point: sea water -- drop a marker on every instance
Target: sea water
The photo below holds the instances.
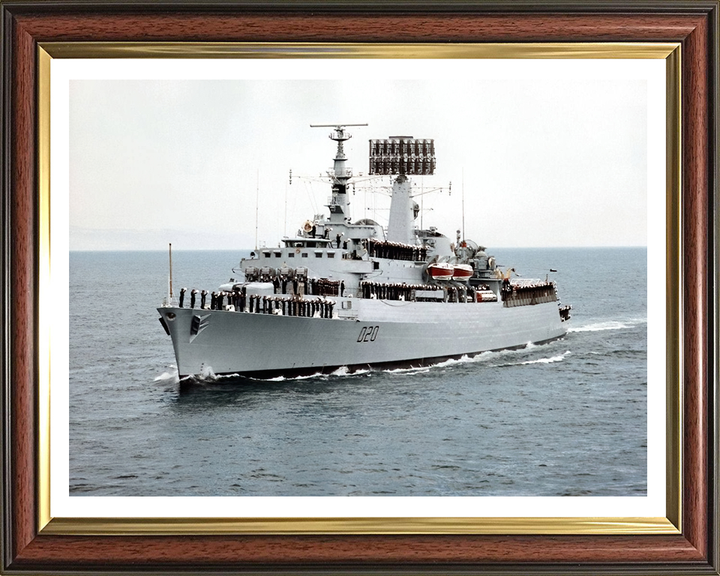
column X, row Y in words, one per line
column 564, row 418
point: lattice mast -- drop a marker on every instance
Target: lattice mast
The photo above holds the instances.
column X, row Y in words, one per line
column 340, row 173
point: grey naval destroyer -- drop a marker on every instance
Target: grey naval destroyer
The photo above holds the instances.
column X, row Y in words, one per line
column 354, row 294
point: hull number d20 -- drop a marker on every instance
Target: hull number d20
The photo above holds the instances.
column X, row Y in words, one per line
column 368, row 334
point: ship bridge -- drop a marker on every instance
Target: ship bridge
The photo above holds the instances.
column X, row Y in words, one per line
column 307, row 242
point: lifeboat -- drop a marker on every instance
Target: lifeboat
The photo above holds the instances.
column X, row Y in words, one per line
column 462, row 272
column 441, row 271
column 485, row 296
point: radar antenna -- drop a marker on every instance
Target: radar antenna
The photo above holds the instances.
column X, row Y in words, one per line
column 402, row 155
column 339, row 135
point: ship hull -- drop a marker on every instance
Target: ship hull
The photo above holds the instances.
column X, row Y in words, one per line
column 374, row 333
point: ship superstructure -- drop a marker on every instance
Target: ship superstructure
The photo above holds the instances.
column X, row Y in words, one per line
column 355, row 294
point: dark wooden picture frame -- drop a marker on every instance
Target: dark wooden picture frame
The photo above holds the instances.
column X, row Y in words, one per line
column 27, row 24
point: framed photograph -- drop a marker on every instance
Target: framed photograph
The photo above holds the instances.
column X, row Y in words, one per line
column 93, row 162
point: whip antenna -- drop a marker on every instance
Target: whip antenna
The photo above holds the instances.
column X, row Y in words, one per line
column 170, row 277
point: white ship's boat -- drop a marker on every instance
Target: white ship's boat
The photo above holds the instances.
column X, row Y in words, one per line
column 354, row 294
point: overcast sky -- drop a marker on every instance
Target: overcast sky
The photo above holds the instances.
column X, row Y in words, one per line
column 544, row 160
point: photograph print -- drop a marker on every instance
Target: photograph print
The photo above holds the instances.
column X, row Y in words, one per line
column 314, row 278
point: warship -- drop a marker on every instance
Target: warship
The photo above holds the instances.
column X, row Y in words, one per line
column 344, row 294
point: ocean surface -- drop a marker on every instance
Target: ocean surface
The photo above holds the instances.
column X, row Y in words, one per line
column 565, row 418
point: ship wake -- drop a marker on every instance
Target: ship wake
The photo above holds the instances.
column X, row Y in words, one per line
column 340, row 372
column 498, row 358
column 551, row 360
column 609, row 325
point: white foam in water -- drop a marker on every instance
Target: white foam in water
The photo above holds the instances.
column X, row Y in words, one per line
column 490, row 355
column 291, row 379
column 224, row 377
column 412, row 370
column 465, row 359
column 168, row 377
column 208, row 373
column 550, row 360
column 209, row 376
column 423, row 369
column 453, row 361
column 340, row 372
column 345, row 371
column 607, row 325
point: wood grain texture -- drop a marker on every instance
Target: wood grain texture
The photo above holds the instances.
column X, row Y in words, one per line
column 689, row 552
column 695, row 239
column 320, row 27
column 317, row 550
column 22, row 296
